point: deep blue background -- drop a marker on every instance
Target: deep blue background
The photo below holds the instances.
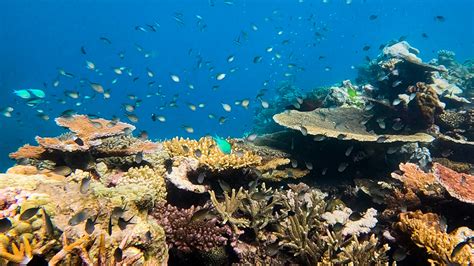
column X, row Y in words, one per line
column 38, row 37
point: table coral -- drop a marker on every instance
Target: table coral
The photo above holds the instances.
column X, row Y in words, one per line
column 28, row 151
column 426, row 232
column 347, row 122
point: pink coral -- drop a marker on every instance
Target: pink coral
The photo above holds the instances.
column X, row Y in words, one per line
column 458, row 185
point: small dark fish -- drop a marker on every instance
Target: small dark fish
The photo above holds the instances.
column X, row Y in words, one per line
column 224, row 186
column 459, row 246
column 118, row 254
column 83, row 50
column 85, row 184
column 138, row 158
column 373, row 17
column 399, row 254
column 341, row 136
column 169, row 165
column 440, row 18
column 5, row 225
column 291, row 213
column 366, row 48
column 62, row 170
column 257, row 59
column 198, row 153
column 202, row 214
column 273, row 248
column 78, row 218
column 122, row 223
column 109, row 226
column 355, row 216
column 154, row 117
column 337, row 227
column 148, row 236
column 118, row 211
column 259, row 195
column 381, row 139
column 26, row 215
column 48, row 223
column 90, row 224
column 424, row 35
column 106, row 40
column 79, row 141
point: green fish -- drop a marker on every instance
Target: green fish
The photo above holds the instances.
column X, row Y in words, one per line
column 223, row 144
column 24, row 94
column 37, row 93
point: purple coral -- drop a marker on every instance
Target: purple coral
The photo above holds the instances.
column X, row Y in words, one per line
column 10, row 199
column 186, row 236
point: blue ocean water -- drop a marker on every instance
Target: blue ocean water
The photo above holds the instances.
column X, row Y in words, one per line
column 324, row 40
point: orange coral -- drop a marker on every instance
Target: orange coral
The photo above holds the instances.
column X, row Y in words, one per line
column 23, row 170
column 90, row 129
column 426, row 231
column 28, row 152
column 416, row 180
column 458, row 185
column 62, row 145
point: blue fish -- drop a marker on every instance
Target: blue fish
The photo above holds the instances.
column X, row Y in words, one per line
column 223, row 144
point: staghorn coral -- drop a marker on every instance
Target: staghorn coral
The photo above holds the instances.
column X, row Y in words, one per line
column 260, row 209
column 208, row 154
column 354, row 251
column 227, row 208
column 299, row 232
column 186, row 234
column 344, row 121
column 426, row 232
column 458, row 185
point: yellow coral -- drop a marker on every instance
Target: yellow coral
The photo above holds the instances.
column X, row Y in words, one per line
column 206, row 151
column 151, row 178
column 425, row 230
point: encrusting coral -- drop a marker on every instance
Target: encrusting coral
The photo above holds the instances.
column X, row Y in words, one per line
column 426, row 231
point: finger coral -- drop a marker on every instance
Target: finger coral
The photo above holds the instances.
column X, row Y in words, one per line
column 207, row 153
column 426, row 232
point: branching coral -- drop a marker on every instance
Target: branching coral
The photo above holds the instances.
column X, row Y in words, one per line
column 188, row 234
column 206, row 151
column 227, row 208
column 426, row 232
